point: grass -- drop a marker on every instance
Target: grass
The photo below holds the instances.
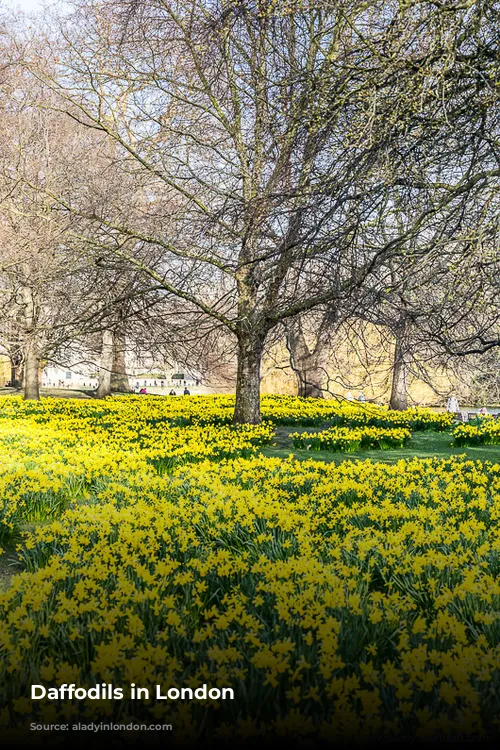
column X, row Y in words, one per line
column 9, row 565
column 421, row 445
column 51, row 392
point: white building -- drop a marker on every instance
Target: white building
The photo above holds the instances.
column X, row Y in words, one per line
column 59, row 377
column 170, row 379
column 148, row 373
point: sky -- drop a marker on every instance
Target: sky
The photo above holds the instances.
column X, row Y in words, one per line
column 26, row 5
column 31, row 6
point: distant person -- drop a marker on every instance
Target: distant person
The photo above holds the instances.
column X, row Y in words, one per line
column 452, row 405
column 143, row 392
column 483, row 411
column 172, row 393
column 187, row 392
column 361, row 396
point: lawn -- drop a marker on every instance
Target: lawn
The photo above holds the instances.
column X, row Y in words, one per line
column 422, row 445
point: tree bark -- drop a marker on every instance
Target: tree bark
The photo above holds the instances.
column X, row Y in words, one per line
column 311, row 380
column 16, row 375
column 247, row 408
column 399, row 390
column 106, row 365
column 31, row 364
column 31, row 374
column 309, row 365
column 119, row 378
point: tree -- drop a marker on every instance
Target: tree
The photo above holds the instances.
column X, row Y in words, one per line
column 308, row 339
column 270, row 143
column 57, row 293
column 433, row 312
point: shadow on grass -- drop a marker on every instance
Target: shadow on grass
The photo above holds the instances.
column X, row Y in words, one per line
column 10, row 564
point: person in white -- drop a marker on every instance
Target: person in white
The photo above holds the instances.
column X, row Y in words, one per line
column 452, row 405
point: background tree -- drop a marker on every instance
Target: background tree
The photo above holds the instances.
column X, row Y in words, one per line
column 309, row 342
column 43, row 291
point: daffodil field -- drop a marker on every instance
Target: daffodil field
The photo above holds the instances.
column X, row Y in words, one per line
column 485, row 433
column 159, row 546
column 350, row 439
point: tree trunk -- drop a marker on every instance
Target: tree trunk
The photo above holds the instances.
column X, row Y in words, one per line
column 308, row 365
column 31, row 365
column 31, row 374
column 106, row 366
column 399, row 391
column 16, row 375
column 119, row 377
column 310, row 377
column 247, row 408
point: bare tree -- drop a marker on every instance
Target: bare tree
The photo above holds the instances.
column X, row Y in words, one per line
column 270, row 146
column 57, row 292
column 309, row 339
